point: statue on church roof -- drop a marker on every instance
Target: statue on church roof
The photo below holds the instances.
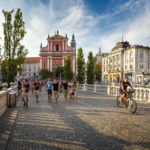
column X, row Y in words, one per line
column 57, row 32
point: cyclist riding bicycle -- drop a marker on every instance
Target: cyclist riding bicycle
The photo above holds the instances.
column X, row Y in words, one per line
column 123, row 88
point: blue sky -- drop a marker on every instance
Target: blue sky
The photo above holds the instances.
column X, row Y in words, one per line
column 95, row 23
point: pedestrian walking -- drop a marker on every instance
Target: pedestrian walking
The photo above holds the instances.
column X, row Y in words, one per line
column 40, row 85
column 56, row 89
column 26, row 87
column 65, row 89
column 19, row 87
column 70, row 91
column 73, row 92
column 37, row 88
column 49, row 89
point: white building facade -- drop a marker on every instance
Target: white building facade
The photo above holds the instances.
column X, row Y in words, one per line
column 128, row 60
column 31, row 68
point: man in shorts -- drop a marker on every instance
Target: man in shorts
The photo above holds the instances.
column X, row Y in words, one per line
column 49, row 89
column 123, row 88
column 26, row 87
column 36, row 89
column 56, row 89
column 65, row 89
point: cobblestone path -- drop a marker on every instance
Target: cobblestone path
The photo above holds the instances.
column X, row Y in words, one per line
column 91, row 122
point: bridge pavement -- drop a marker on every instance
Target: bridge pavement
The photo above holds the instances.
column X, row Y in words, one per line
column 91, row 122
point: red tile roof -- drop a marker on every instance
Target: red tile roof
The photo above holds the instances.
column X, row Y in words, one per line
column 32, row 60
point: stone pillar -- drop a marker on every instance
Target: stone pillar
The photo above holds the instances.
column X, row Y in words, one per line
column 63, row 62
column 84, row 87
column 11, row 85
column 51, row 65
column 140, row 96
column 51, row 46
column 148, row 95
column 95, row 86
column 5, row 87
column 63, row 46
column 108, row 90
column 66, row 46
column 48, row 63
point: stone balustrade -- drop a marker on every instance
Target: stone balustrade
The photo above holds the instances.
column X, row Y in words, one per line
column 141, row 94
column 4, row 96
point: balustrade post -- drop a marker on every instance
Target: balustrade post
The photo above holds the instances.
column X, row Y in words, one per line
column 85, row 87
column 140, row 96
column 4, row 87
column 95, row 88
column 108, row 90
column 148, row 95
column 145, row 95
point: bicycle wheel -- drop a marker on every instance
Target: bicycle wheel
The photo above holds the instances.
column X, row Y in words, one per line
column 118, row 102
column 132, row 106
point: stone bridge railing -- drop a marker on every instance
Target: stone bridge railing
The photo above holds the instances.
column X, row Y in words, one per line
column 4, row 96
column 141, row 94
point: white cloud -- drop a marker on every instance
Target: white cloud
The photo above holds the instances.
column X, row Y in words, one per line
column 135, row 30
column 72, row 16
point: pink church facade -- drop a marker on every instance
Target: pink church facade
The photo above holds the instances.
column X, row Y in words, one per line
column 55, row 52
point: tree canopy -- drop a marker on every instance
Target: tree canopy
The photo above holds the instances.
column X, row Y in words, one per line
column 14, row 51
column 80, row 66
column 90, row 68
column 68, row 74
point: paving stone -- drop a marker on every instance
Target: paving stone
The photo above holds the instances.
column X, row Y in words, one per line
column 91, row 122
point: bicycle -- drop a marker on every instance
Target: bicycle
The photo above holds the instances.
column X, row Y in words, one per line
column 128, row 102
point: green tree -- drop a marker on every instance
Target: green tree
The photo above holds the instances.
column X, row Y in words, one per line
column 90, row 69
column 14, row 51
column 59, row 71
column 44, row 73
column 80, row 66
column 97, row 70
column 68, row 74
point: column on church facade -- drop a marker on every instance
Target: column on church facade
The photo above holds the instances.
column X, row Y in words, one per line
column 66, row 46
column 63, row 46
column 50, row 45
column 51, row 64
column 48, row 63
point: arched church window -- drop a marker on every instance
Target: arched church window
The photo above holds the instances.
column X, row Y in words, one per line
column 57, row 47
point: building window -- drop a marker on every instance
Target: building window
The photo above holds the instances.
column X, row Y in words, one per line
column 131, row 67
column 60, row 64
column 44, row 65
column 53, row 65
column 148, row 56
column 141, row 66
column 148, row 65
column 29, row 69
column 24, row 69
column 141, row 55
column 57, row 47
